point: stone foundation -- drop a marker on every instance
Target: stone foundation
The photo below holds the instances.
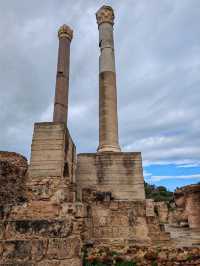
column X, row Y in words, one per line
column 118, row 223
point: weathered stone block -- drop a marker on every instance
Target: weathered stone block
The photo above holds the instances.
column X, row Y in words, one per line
column 81, row 210
column 38, row 228
column 187, row 199
column 118, row 219
column 17, row 250
column 62, row 248
column 35, row 210
column 78, row 226
column 20, row 252
column 114, row 205
column 162, row 211
column 65, row 262
column 49, row 263
column 150, row 208
column 118, row 173
column 102, row 232
column 139, row 208
column 71, row 262
column 39, row 249
column 2, row 230
column 141, row 228
column 120, row 232
column 53, row 151
column 13, row 168
column 42, row 188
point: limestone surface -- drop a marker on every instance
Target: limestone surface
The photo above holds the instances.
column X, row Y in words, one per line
column 119, row 173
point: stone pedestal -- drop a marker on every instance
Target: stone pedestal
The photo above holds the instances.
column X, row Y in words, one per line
column 119, row 173
column 53, row 162
column 47, row 150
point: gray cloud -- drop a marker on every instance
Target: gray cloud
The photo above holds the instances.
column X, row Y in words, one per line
column 158, row 64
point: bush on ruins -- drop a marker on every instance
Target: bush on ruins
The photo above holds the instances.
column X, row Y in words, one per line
column 159, row 193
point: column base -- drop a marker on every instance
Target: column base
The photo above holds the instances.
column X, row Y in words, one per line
column 108, row 148
column 119, row 173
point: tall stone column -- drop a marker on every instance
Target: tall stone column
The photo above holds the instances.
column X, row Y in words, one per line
column 108, row 121
column 65, row 35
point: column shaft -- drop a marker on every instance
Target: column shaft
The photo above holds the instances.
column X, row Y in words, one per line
column 108, row 120
column 62, row 76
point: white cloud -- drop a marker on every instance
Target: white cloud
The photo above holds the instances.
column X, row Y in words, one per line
column 157, row 60
column 159, row 178
column 192, row 165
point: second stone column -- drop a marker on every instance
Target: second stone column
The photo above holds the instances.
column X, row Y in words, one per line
column 108, row 121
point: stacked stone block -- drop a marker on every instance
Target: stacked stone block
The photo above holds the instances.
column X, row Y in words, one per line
column 155, row 227
column 119, row 173
column 46, row 228
column 53, row 162
column 188, row 200
column 13, row 169
column 120, row 223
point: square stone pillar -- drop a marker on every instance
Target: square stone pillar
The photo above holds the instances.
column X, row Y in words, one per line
column 53, row 161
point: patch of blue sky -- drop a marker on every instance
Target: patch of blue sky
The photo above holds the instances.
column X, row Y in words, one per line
column 172, row 175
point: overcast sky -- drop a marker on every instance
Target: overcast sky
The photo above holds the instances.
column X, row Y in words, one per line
column 157, row 48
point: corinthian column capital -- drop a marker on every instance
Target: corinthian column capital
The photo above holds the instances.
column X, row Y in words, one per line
column 65, row 32
column 105, row 14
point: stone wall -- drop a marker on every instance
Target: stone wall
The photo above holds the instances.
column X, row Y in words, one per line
column 192, row 205
column 52, row 164
column 42, row 223
column 187, row 200
column 45, row 229
column 118, row 173
column 155, row 227
column 118, row 223
column 13, row 168
column 162, row 210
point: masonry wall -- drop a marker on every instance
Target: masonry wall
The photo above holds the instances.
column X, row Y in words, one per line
column 192, row 205
column 13, row 169
column 118, row 173
column 187, row 200
column 119, row 223
column 45, row 229
column 52, row 164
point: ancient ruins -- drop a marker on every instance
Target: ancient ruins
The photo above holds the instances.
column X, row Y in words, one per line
column 64, row 203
